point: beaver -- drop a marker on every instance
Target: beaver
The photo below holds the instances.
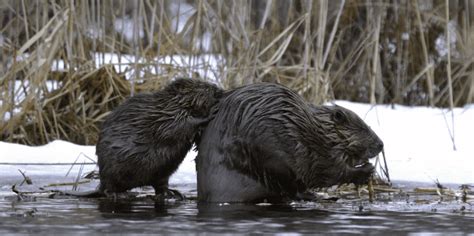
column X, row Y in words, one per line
column 266, row 142
column 144, row 140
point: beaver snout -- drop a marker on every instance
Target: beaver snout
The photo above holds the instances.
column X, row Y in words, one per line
column 379, row 147
column 375, row 149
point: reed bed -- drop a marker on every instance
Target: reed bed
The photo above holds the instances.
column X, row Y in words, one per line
column 58, row 79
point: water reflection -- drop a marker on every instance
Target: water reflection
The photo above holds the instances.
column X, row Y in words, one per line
column 149, row 209
column 238, row 210
column 63, row 216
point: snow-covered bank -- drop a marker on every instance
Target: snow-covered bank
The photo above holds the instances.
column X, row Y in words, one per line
column 417, row 141
column 55, row 152
column 60, row 156
column 418, row 144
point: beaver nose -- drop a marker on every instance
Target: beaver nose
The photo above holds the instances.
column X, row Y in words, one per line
column 380, row 146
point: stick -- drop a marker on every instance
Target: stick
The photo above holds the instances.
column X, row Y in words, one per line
column 386, row 166
column 25, row 178
column 448, row 69
column 370, row 187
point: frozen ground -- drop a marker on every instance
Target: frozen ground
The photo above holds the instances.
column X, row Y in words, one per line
column 418, row 148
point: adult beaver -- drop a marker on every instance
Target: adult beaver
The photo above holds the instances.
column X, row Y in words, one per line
column 265, row 142
column 143, row 141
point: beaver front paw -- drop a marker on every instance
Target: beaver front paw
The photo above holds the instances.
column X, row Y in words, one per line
column 361, row 174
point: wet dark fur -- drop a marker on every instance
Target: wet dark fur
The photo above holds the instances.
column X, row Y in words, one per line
column 143, row 141
column 265, row 142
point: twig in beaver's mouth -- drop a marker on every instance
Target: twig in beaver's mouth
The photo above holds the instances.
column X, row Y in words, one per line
column 385, row 170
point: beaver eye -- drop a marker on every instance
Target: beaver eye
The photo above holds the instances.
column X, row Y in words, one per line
column 339, row 117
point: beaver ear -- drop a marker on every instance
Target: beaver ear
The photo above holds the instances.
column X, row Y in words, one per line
column 218, row 93
column 180, row 85
column 339, row 117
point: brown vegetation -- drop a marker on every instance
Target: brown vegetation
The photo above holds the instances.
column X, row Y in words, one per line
column 367, row 51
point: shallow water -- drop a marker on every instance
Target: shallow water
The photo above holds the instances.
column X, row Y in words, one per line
column 72, row 215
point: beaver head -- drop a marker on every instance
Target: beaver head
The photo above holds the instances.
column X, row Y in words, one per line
column 195, row 95
column 352, row 141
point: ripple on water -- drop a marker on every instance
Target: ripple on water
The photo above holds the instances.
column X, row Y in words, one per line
column 63, row 216
column 368, row 227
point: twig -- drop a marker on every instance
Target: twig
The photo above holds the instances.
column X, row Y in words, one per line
column 415, row 79
column 333, row 32
column 68, row 183
column 75, row 162
column 78, row 177
column 15, row 190
column 386, row 172
column 429, row 73
column 25, row 178
column 464, row 189
column 370, row 187
column 375, row 58
column 448, row 69
column 306, row 38
column 451, row 133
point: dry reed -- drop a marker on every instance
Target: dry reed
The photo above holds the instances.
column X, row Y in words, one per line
column 56, row 80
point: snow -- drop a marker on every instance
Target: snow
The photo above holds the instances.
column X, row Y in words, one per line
column 417, row 140
column 15, row 157
column 57, row 151
column 441, row 45
column 208, row 66
column 418, row 144
column 126, row 26
column 181, row 12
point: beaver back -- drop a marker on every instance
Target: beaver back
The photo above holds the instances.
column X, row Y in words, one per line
column 266, row 141
column 143, row 141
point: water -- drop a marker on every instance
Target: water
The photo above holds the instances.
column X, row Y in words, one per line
column 143, row 215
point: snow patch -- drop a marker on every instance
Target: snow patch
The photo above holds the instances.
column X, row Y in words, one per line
column 417, row 142
column 57, row 151
column 181, row 12
column 126, row 27
column 442, row 46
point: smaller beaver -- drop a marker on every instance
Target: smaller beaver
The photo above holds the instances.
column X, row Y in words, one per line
column 144, row 140
column 266, row 142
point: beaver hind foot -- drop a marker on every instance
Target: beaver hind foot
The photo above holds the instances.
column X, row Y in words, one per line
column 168, row 193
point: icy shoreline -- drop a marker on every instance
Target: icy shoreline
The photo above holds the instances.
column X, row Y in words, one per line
column 418, row 147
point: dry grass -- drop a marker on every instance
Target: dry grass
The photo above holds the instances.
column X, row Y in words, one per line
column 367, row 51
